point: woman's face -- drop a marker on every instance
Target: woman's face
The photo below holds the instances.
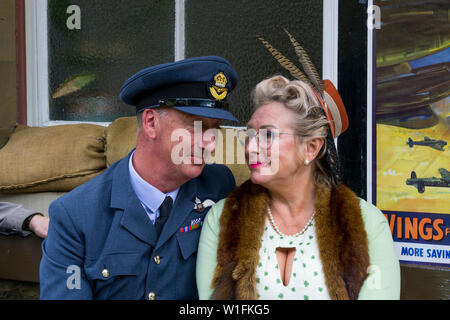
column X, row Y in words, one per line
column 280, row 157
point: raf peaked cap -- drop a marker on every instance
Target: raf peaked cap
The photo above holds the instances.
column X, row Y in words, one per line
column 197, row 86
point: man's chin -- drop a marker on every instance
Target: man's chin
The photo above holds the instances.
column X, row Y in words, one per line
column 196, row 161
column 193, row 169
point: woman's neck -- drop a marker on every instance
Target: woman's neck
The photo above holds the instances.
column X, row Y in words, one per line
column 293, row 197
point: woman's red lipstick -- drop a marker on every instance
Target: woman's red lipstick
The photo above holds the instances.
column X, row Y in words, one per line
column 255, row 165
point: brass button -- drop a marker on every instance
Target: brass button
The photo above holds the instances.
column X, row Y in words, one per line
column 151, row 296
column 105, row 273
column 157, row 259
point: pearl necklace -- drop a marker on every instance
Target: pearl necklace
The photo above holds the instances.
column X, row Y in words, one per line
column 275, row 226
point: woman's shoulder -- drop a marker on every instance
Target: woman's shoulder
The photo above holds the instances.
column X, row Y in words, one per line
column 370, row 211
column 214, row 214
column 374, row 220
column 217, row 207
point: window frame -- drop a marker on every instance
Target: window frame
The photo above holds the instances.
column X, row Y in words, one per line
column 37, row 95
column 371, row 125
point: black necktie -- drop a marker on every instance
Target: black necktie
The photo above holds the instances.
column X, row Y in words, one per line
column 164, row 211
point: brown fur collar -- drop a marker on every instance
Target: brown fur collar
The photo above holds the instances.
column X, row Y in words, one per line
column 342, row 242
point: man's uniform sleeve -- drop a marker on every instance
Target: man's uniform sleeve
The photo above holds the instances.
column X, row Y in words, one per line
column 61, row 269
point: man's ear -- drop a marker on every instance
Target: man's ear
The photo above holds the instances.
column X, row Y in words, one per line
column 313, row 147
column 150, row 123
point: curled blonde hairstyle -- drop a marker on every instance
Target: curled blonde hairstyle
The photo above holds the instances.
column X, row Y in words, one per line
column 310, row 120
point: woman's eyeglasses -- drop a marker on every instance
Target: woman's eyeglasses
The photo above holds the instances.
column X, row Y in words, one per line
column 264, row 137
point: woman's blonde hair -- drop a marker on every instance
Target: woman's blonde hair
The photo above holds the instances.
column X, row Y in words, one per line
column 310, row 120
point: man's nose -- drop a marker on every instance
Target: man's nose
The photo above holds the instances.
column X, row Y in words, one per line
column 209, row 144
column 208, row 141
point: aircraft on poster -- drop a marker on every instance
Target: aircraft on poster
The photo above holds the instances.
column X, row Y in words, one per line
column 433, row 143
column 421, row 183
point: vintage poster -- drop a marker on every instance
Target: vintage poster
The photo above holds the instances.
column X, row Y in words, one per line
column 412, row 115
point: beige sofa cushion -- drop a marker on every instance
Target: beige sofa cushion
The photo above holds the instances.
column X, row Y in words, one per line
column 57, row 158
column 120, row 139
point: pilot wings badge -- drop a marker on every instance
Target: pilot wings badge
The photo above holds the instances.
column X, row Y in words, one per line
column 201, row 206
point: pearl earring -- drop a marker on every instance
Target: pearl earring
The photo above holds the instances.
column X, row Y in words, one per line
column 306, row 162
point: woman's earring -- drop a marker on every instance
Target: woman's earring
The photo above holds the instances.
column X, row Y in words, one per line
column 306, row 162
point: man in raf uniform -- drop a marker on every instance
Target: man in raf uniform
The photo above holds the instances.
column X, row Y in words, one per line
column 132, row 232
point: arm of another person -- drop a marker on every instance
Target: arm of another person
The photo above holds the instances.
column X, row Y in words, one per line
column 15, row 219
column 38, row 224
column 383, row 281
column 207, row 250
column 61, row 268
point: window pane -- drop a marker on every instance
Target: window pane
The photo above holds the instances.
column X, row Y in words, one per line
column 88, row 66
column 229, row 29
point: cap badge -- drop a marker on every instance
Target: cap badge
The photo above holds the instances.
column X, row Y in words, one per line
column 217, row 88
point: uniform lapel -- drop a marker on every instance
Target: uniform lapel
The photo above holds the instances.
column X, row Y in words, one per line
column 182, row 207
column 134, row 218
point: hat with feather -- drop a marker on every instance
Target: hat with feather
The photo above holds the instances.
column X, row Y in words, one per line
column 326, row 93
column 324, row 90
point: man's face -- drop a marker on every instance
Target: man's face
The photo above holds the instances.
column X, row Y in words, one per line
column 182, row 142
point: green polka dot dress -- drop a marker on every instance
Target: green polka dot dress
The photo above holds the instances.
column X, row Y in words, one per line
column 307, row 280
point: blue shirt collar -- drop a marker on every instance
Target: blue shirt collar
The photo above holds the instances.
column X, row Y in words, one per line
column 150, row 197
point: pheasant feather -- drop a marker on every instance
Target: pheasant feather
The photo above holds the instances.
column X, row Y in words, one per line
column 285, row 62
column 308, row 66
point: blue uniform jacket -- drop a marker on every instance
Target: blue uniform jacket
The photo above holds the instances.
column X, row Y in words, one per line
column 102, row 245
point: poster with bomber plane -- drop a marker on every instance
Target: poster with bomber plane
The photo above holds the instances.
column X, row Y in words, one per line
column 412, row 121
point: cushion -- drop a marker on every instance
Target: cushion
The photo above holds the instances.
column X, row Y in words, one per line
column 120, row 139
column 57, row 158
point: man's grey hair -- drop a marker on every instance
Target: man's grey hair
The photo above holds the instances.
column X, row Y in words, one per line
column 162, row 112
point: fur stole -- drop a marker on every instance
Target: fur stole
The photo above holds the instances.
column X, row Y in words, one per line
column 341, row 237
